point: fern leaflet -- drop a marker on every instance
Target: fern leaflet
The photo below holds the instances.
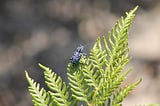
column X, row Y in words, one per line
column 58, row 88
column 40, row 96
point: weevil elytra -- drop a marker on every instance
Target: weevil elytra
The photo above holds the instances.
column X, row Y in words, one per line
column 75, row 59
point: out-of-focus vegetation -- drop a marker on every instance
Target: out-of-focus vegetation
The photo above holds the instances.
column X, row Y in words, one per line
column 47, row 31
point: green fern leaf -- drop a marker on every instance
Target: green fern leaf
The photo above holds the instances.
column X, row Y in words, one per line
column 118, row 41
column 117, row 50
column 59, row 91
column 77, row 85
column 93, row 70
column 40, row 96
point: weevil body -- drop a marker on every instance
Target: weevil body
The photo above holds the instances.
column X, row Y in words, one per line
column 77, row 55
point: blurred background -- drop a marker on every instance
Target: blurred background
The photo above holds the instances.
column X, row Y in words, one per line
column 48, row 32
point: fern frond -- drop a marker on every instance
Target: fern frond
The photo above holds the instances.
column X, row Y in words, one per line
column 92, row 76
column 119, row 52
column 77, row 85
column 116, row 83
column 98, row 56
column 117, row 49
column 118, row 40
column 39, row 95
column 59, row 91
column 120, row 95
column 93, row 70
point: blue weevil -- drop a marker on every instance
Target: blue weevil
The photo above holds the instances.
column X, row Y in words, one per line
column 77, row 55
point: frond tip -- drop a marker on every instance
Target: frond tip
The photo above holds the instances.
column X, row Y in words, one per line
column 39, row 95
column 58, row 88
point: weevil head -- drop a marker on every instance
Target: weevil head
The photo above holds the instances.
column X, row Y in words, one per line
column 80, row 49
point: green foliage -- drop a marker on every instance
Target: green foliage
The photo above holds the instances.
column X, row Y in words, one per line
column 59, row 92
column 97, row 79
column 40, row 96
